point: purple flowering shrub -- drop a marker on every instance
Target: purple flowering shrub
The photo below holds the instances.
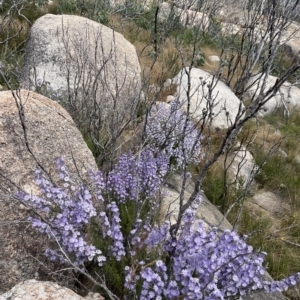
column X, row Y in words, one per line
column 196, row 263
column 169, row 131
column 65, row 211
column 136, row 177
column 201, row 264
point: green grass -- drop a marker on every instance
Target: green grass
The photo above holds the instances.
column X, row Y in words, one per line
column 214, row 189
column 280, row 175
column 282, row 172
column 282, row 258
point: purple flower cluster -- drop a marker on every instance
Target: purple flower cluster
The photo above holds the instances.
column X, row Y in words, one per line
column 203, row 264
column 97, row 185
column 130, row 279
column 153, row 281
column 67, row 210
column 281, row 285
column 137, row 176
column 113, row 230
column 207, row 263
column 155, row 234
column 67, row 213
column 169, row 131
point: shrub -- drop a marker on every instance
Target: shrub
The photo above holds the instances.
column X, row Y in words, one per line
column 196, row 263
column 157, row 262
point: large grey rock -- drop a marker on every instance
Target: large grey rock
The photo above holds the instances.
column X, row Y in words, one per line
column 44, row 290
column 214, row 58
column 230, row 28
column 232, row 11
column 209, row 98
column 234, row 17
column 241, row 166
column 270, row 203
column 188, row 4
column 93, row 70
column 262, row 295
column 291, row 38
column 48, row 132
column 206, row 212
column 287, row 97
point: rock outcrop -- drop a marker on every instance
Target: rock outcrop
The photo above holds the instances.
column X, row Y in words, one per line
column 291, row 38
column 271, row 203
column 241, row 166
column 210, row 99
column 206, row 212
column 34, row 132
column 39, row 290
column 234, row 20
column 91, row 69
column 232, row 11
column 287, row 96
